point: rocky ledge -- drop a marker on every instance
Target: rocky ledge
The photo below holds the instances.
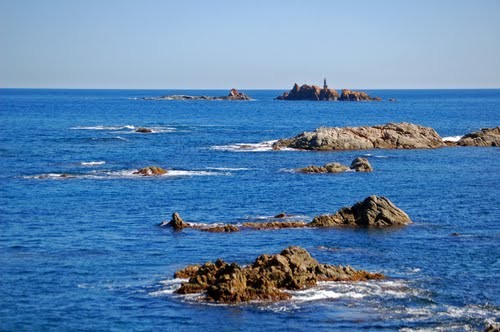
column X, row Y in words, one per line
column 151, row 171
column 358, row 165
column 484, row 137
column 374, row 211
column 265, row 279
column 388, row 136
column 233, row 95
column 315, row 93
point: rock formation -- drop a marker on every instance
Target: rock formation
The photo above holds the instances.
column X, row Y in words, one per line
column 274, row 225
column 233, row 95
column 358, row 165
column 361, row 165
column 309, row 92
column 151, row 171
column 484, row 137
column 349, row 95
column 143, row 130
column 388, row 136
column 266, row 278
column 176, row 222
column 374, row 211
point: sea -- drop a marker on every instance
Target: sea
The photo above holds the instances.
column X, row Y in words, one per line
column 84, row 252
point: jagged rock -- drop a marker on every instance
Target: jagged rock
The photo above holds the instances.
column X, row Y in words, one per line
column 484, row 137
column 388, row 136
column 233, row 95
column 361, row 165
column 176, row 222
column 374, row 211
column 309, row 92
column 222, row 229
column 274, row 224
column 143, row 130
column 292, row 269
column 151, row 171
column 349, row 95
column 280, row 215
column 187, row 272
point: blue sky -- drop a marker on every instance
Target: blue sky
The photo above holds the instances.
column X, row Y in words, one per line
column 249, row 44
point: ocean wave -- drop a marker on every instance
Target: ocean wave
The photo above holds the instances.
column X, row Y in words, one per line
column 128, row 129
column 229, row 168
column 369, row 155
column 92, row 163
column 265, row 146
column 452, row 138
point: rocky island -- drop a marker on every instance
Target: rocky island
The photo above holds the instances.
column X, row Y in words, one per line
column 233, row 95
column 358, row 165
column 315, row 93
column 388, row 136
column 265, row 279
column 483, row 137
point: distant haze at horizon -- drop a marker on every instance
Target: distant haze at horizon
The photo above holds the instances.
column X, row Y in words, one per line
column 249, row 45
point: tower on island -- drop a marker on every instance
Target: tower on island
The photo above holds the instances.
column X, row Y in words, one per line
column 325, row 86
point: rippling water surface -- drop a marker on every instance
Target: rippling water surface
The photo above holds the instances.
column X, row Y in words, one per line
column 83, row 252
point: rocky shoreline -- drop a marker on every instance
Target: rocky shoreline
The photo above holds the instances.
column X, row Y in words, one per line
column 233, row 95
column 266, row 279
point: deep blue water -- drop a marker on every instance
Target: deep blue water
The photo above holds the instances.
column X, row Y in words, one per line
column 85, row 253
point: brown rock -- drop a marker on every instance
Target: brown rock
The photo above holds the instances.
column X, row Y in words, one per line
column 309, row 92
column 389, row 136
column 176, row 223
column 222, row 229
column 328, row 168
column 361, row 165
column 292, row 269
column 484, row 137
column 274, row 224
column 187, row 272
column 374, row 211
column 236, row 95
column 151, row 171
column 349, row 95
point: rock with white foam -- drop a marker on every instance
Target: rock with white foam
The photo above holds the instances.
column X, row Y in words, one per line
column 483, row 137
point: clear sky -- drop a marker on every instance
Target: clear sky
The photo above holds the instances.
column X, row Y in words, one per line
column 249, row 44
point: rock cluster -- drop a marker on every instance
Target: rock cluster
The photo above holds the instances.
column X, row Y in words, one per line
column 388, row 136
column 349, row 95
column 374, row 211
column 358, row 165
column 484, row 137
column 151, row 171
column 266, row 278
column 309, row 92
column 233, row 95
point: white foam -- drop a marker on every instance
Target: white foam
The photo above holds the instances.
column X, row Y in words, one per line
column 452, row 138
column 103, row 127
column 229, row 168
column 249, row 147
column 92, row 163
column 121, row 174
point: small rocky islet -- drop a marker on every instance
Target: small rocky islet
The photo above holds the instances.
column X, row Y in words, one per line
column 358, row 165
column 233, row 95
column 373, row 212
column 266, row 279
column 315, row 93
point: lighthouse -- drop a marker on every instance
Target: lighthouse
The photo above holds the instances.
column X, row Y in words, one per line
column 325, row 86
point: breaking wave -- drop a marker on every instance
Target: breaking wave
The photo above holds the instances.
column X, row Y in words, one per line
column 249, row 147
column 121, row 174
column 92, row 163
column 127, row 129
column 452, row 138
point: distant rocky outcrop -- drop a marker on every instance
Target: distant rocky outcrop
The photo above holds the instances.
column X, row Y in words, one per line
column 358, row 165
column 374, row 211
column 388, row 136
column 349, row 95
column 265, row 279
column 151, row 171
column 233, row 95
column 274, row 225
column 315, row 93
column 143, row 130
column 484, row 137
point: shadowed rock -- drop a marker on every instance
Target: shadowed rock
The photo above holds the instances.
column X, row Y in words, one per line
column 484, row 137
column 274, row 224
column 176, row 222
column 361, row 165
column 374, row 211
column 309, row 92
column 233, row 95
column 349, row 95
column 143, row 130
column 358, row 165
column 151, row 171
column 266, row 278
column 221, row 229
column 388, row 136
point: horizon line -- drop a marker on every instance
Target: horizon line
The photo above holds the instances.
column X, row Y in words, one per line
column 247, row 89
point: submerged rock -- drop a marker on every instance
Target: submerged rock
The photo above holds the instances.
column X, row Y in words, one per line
column 266, row 278
column 361, row 165
column 280, row 215
column 151, row 171
column 484, row 137
column 388, row 136
column 274, row 224
column 143, row 130
column 233, row 95
column 374, row 211
column 222, row 229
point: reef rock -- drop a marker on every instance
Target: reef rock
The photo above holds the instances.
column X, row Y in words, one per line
column 222, row 229
column 361, row 165
column 388, row 136
column 176, row 222
column 374, row 211
column 274, row 224
column 484, row 137
column 309, row 92
column 266, row 278
column 151, row 171
column 349, row 95
column 233, row 95
column 143, row 130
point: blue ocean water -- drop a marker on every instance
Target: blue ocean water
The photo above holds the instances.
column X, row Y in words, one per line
column 85, row 252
